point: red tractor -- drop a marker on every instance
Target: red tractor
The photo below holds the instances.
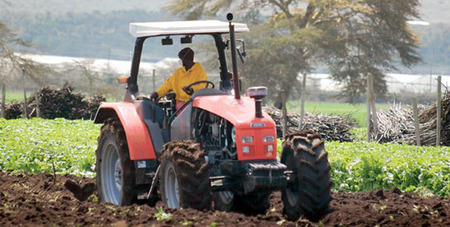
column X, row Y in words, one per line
column 220, row 148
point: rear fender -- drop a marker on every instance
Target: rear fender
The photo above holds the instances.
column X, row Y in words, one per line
column 138, row 138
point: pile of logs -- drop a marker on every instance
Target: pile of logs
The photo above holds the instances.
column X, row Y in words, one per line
column 331, row 127
column 56, row 103
column 397, row 124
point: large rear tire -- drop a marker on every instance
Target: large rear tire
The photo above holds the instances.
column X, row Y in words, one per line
column 184, row 176
column 115, row 170
column 309, row 190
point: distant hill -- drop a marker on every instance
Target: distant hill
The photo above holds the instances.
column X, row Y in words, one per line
column 86, row 28
column 95, row 34
column 32, row 7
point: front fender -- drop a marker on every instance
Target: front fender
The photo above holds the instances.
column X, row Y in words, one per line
column 138, row 138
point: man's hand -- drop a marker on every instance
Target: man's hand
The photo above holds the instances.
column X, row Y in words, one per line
column 188, row 91
column 154, row 96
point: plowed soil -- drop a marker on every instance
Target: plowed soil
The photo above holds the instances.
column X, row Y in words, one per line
column 43, row 200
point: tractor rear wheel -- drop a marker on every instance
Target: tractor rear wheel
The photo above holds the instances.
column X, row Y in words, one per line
column 309, row 189
column 115, row 170
column 184, row 176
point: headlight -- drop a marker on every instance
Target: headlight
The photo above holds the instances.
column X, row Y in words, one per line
column 257, row 92
column 247, row 139
column 268, row 139
column 233, row 134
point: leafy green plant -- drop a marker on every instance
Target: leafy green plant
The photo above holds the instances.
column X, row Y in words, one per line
column 162, row 215
column 38, row 145
column 65, row 146
column 362, row 166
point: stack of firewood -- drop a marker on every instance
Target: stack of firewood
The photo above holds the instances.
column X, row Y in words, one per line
column 397, row 124
column 331, row 127
column 394, row 124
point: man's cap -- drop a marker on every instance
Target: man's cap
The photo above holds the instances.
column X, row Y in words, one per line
column 186, row 53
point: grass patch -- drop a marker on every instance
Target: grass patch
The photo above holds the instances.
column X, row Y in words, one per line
column 13, row 96
column 358, row 111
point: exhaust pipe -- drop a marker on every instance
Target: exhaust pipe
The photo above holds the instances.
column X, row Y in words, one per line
column 237, row 94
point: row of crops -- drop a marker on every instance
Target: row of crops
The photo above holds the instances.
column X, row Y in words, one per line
column 65, row 146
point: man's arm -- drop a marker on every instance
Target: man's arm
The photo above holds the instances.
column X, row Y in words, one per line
column 166, row 86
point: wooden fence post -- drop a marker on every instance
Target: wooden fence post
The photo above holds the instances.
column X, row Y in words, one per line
column 373, row 108
column 438, row 112
column 369, row 116
column 2, row 107
column 284, row 112
column 25, row 111
column 154, row 85
column 38, row 110
column 416, row 121
column 302, row 103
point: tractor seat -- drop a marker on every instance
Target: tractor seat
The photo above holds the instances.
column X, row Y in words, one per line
column 207, row 92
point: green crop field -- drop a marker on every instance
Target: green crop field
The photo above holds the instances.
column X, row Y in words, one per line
column 14, row 96
column 65, row 146
column 358, row 111
column 362, row 166
column 39, row 145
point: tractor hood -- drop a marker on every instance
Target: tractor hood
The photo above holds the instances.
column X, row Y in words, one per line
column 241, row 113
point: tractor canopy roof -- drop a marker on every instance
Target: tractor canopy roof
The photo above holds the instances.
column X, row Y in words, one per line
column 149, row 29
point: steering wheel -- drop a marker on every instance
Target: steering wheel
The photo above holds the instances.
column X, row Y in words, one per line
column 188, row 89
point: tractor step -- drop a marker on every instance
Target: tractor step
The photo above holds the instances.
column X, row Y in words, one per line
column 222, row 183
column 142, row 196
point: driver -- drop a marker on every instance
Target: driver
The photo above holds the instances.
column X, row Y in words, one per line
column 188, row 73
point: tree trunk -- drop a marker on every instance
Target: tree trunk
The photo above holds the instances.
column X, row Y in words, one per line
column 287, row 87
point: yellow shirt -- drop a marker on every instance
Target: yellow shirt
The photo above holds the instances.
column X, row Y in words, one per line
column 181, row 78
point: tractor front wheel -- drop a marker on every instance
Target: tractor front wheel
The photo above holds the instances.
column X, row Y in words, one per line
column 253, row 203
column 184, row 176
column 224, row 200
column 250, row 204
column 309, row 188
column 115, row 170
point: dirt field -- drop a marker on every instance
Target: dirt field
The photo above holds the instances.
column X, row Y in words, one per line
column 31, row 200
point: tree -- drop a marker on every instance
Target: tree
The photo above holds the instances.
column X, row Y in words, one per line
column 12, row 62
column 352, row 37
